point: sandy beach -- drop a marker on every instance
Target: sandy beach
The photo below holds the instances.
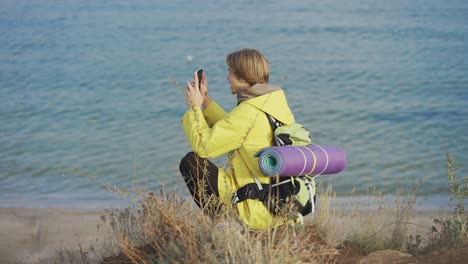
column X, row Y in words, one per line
column 50, row 235
column 42, row 235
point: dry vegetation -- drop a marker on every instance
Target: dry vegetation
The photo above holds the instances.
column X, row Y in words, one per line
column 171, row 230
column 165, row 228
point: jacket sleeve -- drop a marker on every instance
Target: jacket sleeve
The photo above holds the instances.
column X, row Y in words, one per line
column 225, row 135
column 213, row 113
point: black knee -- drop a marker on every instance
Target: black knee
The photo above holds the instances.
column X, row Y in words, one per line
column 187, row 163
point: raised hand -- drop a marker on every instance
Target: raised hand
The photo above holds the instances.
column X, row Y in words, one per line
column 193, row 94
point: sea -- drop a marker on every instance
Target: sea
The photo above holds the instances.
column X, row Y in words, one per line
column 91, row 92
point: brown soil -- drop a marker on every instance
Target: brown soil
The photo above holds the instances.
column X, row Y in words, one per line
column 351, row 256
column 120, row 259
column 455, row 256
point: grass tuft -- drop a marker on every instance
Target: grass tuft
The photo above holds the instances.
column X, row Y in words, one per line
column 447, row 232
column 377, row 225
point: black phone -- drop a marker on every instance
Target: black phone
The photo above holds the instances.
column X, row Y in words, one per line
column 199, row 75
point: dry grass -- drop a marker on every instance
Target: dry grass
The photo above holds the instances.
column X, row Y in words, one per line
column 375, row 224
column 174, row 232
column 171, row 230
column 165, row 228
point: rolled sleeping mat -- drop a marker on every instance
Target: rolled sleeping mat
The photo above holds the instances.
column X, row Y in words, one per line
column 301, row 160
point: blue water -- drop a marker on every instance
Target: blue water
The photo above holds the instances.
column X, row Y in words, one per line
column 88, row 86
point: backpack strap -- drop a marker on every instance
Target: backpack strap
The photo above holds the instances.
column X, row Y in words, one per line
column 279, row 142
column 250, row 191
column 273, row 122
column 274, row 125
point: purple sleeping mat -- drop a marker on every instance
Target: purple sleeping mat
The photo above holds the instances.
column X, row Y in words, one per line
column 301, row 160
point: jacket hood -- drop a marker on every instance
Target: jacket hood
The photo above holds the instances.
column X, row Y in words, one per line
column 255, row 90
column 274, row 104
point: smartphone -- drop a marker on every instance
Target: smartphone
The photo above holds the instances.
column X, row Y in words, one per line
column 199, row 75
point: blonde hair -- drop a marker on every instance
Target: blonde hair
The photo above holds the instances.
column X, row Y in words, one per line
column 249, row 65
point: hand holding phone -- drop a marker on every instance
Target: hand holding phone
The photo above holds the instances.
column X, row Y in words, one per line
column 204, row 89
column 199, row 75
column 194, row 95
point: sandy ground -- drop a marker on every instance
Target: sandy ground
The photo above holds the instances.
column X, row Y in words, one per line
column 53, row 235
column 418, row 223
column 41, row 235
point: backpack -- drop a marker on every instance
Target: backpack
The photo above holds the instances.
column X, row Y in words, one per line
column 300, row 190
column 297, row 191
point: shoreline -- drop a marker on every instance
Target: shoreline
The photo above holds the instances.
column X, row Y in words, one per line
column 435, row 202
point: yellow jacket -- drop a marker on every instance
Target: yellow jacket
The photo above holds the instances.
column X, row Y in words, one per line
column 241, row 133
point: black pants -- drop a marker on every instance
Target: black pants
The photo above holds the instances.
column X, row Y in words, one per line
column 201, row 177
